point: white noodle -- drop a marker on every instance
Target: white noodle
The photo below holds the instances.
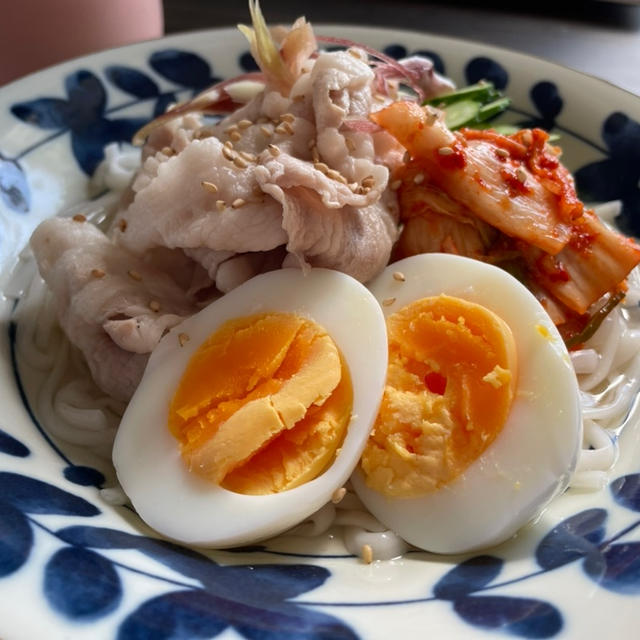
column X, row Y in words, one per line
column 584, row 360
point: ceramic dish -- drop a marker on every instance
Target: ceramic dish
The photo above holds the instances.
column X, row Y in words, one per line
column 73, row 566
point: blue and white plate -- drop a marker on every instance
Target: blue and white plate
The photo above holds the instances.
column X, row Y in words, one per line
column 74, row 566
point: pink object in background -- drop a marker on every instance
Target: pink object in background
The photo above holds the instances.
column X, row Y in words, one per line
column 38, row 33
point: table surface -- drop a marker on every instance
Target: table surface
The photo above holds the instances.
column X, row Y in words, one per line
column 599, row 38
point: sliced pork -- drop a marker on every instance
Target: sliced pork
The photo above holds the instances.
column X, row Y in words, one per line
column 113, row 306
column 294, row 156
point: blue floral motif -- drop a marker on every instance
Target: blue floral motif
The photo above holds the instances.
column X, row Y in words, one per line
column 183, row 68
column 483, row 68
column 618, row 176
column 21, row 497
column 84, row 585
column 14, row 190
column 84, row 476
column 11, row 446
column 574, row 538
column 247, row 62
column 84, row 113
column 546, row 97
column 16, row 539
column 396, row 51
column 524, row 617
column 626, row 491
column 81, row 584
column 33, row 496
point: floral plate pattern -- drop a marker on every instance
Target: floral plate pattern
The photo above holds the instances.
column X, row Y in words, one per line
column 74, row 566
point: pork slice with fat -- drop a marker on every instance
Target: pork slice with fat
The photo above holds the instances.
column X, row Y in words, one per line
column 113, row 306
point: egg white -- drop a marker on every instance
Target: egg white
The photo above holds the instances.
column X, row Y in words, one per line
column 185, row 507
column 532, row 458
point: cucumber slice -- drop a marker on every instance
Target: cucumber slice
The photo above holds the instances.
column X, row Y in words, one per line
column 462, row 112
column 482, row 92
column 504, row 129
column 492, row 109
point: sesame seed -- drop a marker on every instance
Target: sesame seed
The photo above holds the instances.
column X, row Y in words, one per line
column 241, row 163
column 231, row 129
column 228, row 153
column 287, row 117
column 369, row 181
column 355, row 53
column 244, row 123
column 351, row 145
column 209, row 186
column 154, row 305
column 97, row 273
column 395, row 185
column 237, row 203
column 168, row 151
column 338, row 495
column 321, row 166
column 249, row 157
column 418, row 178
column 220, row 205
column 503, row 153
column 235, row 136
column 378, row 97
column 387, row 302
column 228, row 144
column 399, row 276
column 122, row 225
column 284, row 127
column 273, row 150
column 315, row 156
column 79, row 218
column 336, row 175
column 134, row 275
column 367, row 553
column 266, row 131
column 445, row 151
column 521, row 175
column 183, row 338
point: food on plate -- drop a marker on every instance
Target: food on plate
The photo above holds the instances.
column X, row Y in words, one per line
column 506, row 200
column 222, row 297
column 480, row 423
column 304, row 433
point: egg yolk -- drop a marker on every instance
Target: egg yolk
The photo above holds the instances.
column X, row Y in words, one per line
column 449, row 388
column 263, row 405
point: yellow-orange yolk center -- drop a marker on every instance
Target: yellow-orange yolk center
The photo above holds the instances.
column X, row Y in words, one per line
column 263, row 405
column 450, row 384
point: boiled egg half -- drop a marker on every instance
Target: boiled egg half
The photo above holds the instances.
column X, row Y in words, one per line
column 480, row 423
column 252, row 412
